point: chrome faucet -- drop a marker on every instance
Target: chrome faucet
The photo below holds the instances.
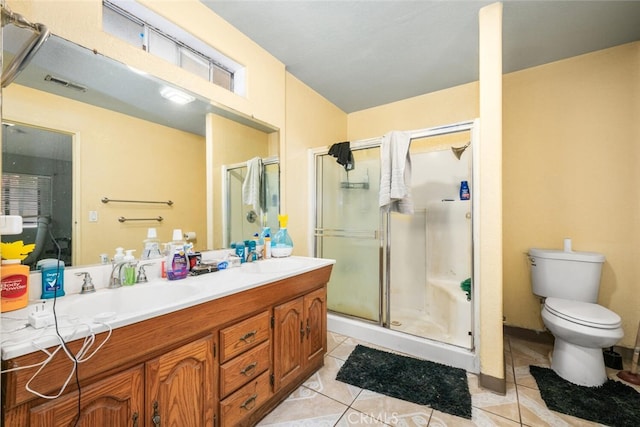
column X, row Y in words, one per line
column 116, row 282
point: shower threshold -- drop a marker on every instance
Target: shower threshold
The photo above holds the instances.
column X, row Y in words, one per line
column 412, row 345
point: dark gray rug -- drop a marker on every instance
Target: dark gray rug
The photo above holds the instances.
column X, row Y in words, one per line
column 613, row 403
column 426, row 383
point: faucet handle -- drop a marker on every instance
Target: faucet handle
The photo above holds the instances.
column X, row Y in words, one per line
column 142, row 275
column 87, row 284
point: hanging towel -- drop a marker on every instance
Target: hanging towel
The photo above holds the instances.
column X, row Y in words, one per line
column 395, row 173
column 252, row 185
column 342, row 150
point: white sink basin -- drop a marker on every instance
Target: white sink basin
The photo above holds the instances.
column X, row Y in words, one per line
column 108, row 303
column 273, row 265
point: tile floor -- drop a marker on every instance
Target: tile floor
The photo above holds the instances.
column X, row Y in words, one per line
column 323, row 401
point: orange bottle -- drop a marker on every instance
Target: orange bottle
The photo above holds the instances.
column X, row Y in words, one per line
column 15, row 285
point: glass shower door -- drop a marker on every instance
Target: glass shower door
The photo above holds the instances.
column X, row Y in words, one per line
column 347, row 223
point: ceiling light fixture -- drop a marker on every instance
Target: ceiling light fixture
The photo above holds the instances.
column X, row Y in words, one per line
column 176, row 96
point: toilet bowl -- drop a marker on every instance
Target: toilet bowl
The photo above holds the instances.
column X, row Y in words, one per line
column 581, row 331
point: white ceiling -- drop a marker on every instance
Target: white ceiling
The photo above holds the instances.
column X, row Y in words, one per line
column 361, row 54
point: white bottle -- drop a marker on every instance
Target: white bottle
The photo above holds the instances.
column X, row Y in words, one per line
column 119, row 256
column 151, row 245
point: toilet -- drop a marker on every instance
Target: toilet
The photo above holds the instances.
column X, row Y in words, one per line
column 569, row 282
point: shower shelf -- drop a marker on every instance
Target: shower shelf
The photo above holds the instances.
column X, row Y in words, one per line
column 355, row 185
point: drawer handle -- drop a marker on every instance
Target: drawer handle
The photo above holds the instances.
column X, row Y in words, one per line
column 250, row 369
column 251, row 335
column 155, row 419
column 250, row 403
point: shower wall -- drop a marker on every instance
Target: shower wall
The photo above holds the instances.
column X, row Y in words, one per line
column 403, row 272
column 431, row 251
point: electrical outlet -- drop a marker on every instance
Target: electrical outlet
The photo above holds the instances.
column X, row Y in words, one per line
column 93, row 216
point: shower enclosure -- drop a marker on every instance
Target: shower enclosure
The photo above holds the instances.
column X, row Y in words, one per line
column 241, row 221
column 411, row 275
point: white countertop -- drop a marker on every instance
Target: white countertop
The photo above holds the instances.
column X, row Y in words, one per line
column 80, row 316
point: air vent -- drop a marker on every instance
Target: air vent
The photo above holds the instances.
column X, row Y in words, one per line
column 65, row 83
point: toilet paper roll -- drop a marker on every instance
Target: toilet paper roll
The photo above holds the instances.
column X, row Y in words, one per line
column 567, row 245
column 190, row 235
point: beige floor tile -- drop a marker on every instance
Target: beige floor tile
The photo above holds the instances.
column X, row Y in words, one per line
column 334, row 340
column 324, row 382
column 505, row 406
column 357, row 418
column 530, row 353
column 305, row 407
column 535, row 413
column 508, row 368
column 392, row 411
column 478, row 418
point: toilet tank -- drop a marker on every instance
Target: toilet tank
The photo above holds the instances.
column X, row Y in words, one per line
column 569, row 275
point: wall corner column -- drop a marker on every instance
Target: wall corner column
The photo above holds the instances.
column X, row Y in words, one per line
column 492, row 373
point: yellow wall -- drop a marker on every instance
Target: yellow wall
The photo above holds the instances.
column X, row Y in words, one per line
column 232, row 143
column 571, row 153
column 119, row 157
column 312, row 122
column 452, row 105
column 81, row 22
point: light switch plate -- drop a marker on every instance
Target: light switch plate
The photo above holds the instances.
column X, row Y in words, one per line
column 93, row 216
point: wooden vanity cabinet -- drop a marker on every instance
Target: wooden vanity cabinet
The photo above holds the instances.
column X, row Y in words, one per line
column 300, row 338
column 180, row 386
column 226, row 362
column 116, row 402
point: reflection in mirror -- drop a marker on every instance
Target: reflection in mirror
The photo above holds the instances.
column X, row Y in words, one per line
column 101, row 118
column 36, row 184
column 242, row 220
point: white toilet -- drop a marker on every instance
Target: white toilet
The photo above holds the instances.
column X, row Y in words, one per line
column 570, row 282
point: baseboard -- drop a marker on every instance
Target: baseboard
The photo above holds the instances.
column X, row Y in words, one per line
column 543, row 337
column 496, row 385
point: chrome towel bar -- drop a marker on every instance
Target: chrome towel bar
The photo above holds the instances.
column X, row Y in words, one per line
column 123, row 219
column 107, row 200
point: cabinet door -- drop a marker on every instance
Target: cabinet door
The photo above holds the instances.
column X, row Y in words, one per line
column 315, row 314
column 180, row 386
column 115, row 402
column 288, row 334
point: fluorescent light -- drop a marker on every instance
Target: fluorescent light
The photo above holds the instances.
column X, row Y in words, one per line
column 176, row 96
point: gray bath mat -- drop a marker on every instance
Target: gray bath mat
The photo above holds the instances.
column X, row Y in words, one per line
column 419, row 381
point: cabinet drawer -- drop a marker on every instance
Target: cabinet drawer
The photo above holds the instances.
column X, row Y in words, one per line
column 243, row 336
column 245, row 401
column 235, row 373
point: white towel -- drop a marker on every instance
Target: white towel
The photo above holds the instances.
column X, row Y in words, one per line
column 395, row 172
column 252, row 185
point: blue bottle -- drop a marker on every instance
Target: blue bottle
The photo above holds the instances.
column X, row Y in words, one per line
column 464, row 191
column 52, row 278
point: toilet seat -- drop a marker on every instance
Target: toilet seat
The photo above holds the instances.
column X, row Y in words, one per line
column 583, row 313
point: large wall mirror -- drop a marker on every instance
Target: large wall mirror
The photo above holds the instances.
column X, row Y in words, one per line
column 117, row 138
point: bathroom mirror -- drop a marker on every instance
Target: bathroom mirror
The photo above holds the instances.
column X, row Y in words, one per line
column 65, row 69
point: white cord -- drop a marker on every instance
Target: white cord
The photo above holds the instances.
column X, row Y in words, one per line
column 80, row 357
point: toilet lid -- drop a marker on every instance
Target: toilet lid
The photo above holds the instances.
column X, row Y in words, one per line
column 584, row 313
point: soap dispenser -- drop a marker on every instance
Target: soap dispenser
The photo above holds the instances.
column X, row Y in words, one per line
column 130, row 268
column 282, row 245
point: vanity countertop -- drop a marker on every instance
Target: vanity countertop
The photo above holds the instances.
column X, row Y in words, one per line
column 80, row 316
